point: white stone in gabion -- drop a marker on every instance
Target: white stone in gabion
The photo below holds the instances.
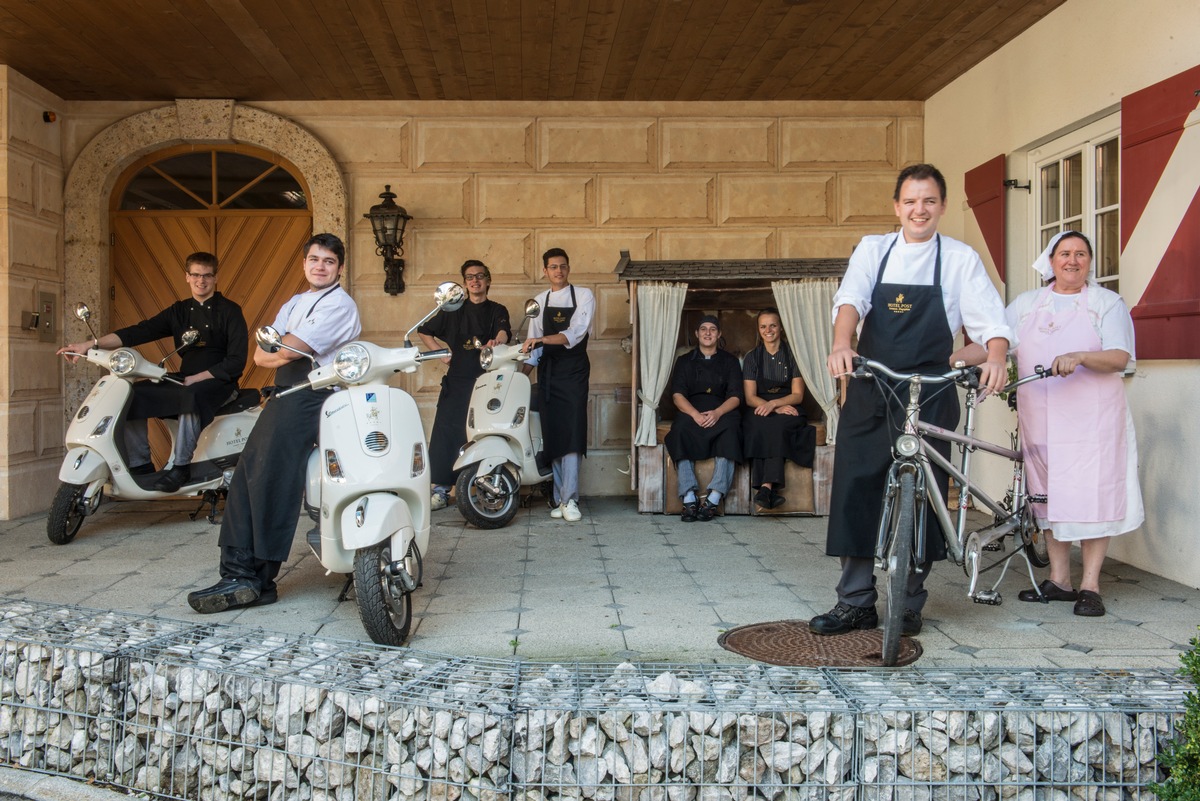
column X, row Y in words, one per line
column 990, row 730
column 700, row 722
column 302, row 749
column 715, row 793
column 328, row 721
column 458, row 734
column 1014, row 759
column 782, row 755
column 617, row 767
column 677, row 729
column 895, row 742
column 921, row 765
column 355, row 740
column 270, row 765
column 936, row 741
column 129, row 755
column 963, row 759
column 192, row 684
column 591, row 742
column 493, row 745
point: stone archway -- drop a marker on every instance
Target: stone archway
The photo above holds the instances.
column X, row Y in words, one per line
column 93, row 176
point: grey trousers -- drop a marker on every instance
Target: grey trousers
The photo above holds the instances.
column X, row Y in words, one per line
column 721, row 480
column 137, row 441
column 566, row 478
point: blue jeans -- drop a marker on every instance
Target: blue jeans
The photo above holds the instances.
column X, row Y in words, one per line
column 721, row 480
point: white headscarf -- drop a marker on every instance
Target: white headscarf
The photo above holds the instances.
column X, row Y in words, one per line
column 1043, row 267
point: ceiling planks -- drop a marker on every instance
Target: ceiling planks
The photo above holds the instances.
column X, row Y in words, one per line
column 540, row 50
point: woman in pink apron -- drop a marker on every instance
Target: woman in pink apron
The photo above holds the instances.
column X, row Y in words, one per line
column 1076, row 429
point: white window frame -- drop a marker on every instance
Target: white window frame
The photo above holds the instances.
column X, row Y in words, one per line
column 1083, row 140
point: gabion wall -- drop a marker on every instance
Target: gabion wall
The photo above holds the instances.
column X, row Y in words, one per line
column 202, row 712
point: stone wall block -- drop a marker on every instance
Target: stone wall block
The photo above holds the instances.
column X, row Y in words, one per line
column 33, row 245
column 20, row 440
column 801, row 199
column 49, row 182
column 210, row 120
column 473, row 144
column 725, row 144
column 658, row 200
column 51, row 429
column 612, row 412
column 533, row 200
column 366, row 140
column 866, row 198
column 594, row 252
column 20, row 182
column 911, row 134
column 612, row 311
column 832, row 242
column 436, row 255
column 862, row 143
column 432, row 200
column 626, row 144
column 739, row 243
column 23, row 121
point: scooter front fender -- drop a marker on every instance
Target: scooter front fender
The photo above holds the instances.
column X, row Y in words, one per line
column 83, row 466
column 383, row 515
column 490, row 452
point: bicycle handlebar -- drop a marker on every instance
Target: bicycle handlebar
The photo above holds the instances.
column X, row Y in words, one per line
column 969, row 376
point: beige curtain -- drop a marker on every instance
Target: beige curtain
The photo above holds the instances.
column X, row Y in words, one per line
column 804, row 307
column 660, row 305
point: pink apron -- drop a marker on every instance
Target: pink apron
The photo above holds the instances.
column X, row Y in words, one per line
column 1072, row 427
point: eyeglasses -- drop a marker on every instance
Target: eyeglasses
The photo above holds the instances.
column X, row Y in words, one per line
column 202, row 276
column 476, row 277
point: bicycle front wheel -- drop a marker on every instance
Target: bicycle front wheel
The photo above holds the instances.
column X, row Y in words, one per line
column 899, row 565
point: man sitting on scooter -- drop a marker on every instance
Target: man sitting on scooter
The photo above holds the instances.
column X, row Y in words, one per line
column 210, row 369
column 264, row 497
column 478, row 323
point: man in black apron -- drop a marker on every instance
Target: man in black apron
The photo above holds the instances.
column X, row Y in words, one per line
column 264, row 497
column 210, row 368
column 479, row 323
column 562, row 333
column 913, row 291
column 706, row 386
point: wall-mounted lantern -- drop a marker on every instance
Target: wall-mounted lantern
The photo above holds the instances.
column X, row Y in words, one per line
column 388, row 222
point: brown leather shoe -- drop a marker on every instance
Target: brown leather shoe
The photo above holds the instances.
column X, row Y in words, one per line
column 1048, row 591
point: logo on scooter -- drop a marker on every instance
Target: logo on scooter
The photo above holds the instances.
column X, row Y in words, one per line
column 373, row 416
column 332, row 412
column 370, row 397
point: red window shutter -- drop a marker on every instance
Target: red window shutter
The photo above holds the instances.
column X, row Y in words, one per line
column 1153, row 123
column 985, row 196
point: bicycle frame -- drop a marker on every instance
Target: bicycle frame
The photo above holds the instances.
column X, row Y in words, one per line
column 918, row 455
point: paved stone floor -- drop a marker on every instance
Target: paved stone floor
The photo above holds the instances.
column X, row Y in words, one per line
column 616, row 586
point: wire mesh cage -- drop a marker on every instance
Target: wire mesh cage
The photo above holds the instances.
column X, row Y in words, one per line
column 213, row 712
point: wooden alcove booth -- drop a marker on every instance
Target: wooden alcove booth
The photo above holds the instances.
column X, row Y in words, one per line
column 667, row 300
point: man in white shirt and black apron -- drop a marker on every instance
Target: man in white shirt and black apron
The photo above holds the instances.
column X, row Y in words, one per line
column 913, row 291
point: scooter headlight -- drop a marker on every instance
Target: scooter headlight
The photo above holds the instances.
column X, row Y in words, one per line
column 351, row 363
column 485, row 358
column 122, row 361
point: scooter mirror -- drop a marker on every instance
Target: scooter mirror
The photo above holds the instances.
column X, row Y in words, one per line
column 268, row 339
column 190, row 336
column 449, row 296
column 83, row 312
column 532, row 308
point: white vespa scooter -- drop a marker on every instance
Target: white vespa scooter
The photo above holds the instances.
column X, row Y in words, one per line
column 95, row 461
column 504, row 439
column 368, row 478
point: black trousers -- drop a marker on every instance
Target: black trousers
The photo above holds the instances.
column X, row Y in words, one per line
column 263, row 506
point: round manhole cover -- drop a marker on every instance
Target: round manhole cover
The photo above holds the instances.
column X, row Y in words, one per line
column 790, row 643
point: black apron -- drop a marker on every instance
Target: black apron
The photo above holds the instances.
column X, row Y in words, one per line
column 706, row 385
column 907, row 330
column 563, row 375
column 776, row 435
column 268, row 484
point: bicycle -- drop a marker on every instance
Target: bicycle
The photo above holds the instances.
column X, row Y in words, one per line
column 901, row 543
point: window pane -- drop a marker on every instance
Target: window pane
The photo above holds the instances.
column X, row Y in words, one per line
column 278, row 190
column 149, row 191
column 192, row 170
column 1108, row 191
column 1108, row 244
column 1073, row 185
column 1049, row 234
column 1050, row 211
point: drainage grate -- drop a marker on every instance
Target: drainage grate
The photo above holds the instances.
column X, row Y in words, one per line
column 790, row 643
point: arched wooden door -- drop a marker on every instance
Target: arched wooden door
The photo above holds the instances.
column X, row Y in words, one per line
column 244, row 204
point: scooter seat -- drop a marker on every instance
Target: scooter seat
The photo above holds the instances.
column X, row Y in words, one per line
column 245, row 399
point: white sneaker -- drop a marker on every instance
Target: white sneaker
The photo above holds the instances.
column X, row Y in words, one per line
column 557, row 512
column 439, row 500
column 570, row 512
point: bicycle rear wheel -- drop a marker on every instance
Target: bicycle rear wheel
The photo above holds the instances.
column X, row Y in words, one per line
column 899, row 565
column 1033, row 539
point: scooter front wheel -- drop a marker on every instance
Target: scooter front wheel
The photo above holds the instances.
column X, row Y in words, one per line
column 384, row 607
column 66, row 513
column 493, row 505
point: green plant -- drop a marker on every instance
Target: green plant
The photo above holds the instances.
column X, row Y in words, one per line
column 1182, row 757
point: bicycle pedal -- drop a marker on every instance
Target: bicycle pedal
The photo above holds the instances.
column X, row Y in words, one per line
column 989, row 597
column 994, row 545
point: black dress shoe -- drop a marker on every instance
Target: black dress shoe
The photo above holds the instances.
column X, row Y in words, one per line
column 1049, row 592
column 777, row 500
column 912, row 623
column 707, row 511
column 762, row 498
column 844, row 618
column 173, row 479
column 688, row 515
column 228, row 593
column 142, row 469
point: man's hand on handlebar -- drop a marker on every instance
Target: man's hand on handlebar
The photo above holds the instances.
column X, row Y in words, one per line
column 993, row 375
column 841, row 361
